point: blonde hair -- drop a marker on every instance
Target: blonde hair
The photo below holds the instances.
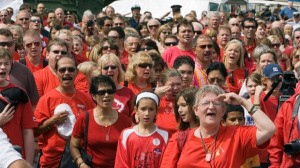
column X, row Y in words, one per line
column 240, row 62
column 87, row 68
column 162, row 28
column 138, row 58
column 106, row 58
column 273, row 38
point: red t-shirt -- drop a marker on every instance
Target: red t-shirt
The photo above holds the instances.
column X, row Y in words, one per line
column 16, row 56
column 235, row 81
column 123, row 101
column 51, row 143
column 171, row 53
column 135, row 89
column 22, row 119
column 33, row 68
column 232, row 147
column 102, row 149
column 249, row 62
column 165, row 117
column 46, row 80
column 135, row 150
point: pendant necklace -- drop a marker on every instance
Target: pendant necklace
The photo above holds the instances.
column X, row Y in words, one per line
column 209, row 154
column 107, row 133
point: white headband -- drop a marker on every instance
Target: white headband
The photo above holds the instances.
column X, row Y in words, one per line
column 147, row 95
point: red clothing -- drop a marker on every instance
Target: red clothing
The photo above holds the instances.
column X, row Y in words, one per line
column 171, row 53
column 22, row 119
column 136, row 150
column 165, row 117
column 235, row 80
column 123, row 101
column 46, row 80
column 33, row 68
column 135, row 89
column 79, row 58
column 16, row 56
column 200, row 76
column 102, row 150
column 249, row 62
column 51, row 143
column 232, row 147
column 283, row 124
column 288, row 51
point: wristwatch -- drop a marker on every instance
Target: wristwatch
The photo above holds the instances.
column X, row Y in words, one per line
column 253, row 109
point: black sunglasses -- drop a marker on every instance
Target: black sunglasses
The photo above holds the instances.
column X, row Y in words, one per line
column 61, row 52
column 248, row 27
column 102, row 92
column 113, row 47
column 29, row 45
column 171, row 44
column 276, row 45
column 147, row 48
column 111, row 67
column 64, row 69
column 7, row 43
column 145, row 65
column 153, row 26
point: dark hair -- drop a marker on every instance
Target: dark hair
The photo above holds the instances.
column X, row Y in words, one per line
column 100, row 21
column 140, row 27
column 157, row 59
column 296, row 30
column 188, row 95
column 249, row 20
column 216, row 47
column 55, row 27
column 101, row 80
column 137, row 104
column 231, row 108
column 25, row 6
column 56, row 41
column 71, row 58
column 217, row 66
column 6, row 33
column 149, row 43
column 184, row 22
column 119, row 30
column 183, row 59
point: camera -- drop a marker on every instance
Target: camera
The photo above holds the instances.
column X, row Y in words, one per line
column 292, row 148
column 90, row 23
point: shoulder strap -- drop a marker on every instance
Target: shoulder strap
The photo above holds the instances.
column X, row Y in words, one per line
column 295, row 112
column 86, row 129
column 45, row 63
column 22, row 61
column 246, row 73
column 181, row 139
column 153, row 86
column 125, row 83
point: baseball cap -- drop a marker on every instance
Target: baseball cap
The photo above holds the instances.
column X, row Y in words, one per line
column 136, row 7
column 272, row 70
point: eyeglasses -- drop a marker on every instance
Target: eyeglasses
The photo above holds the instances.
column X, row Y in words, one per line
column 153, row 26
column 198, row 32
column 166, row 32
column 277, row 45
column 112, row 67
column 23, row 19
column 64, row 69
column 61, row 52
column 216, row 80
column 145, row 65
column 214, row 103
column 248, row 27
column 7, row 43
column 297, row 37
column 231, row 79
column 36, row 20
column 118, row 24
column 209, row 46
column 147, row 48
column 29, row 45
column 103, row 92
column 171, row 44
column 113, row 47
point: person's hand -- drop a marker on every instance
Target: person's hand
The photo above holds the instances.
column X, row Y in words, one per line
column 59, row 118
column 231, row 98
column 83, row 165
column 7, row 114
column 160, row 91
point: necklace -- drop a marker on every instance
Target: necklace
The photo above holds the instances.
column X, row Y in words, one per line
column 65, row 96
column 209, row 154
column 107, row 133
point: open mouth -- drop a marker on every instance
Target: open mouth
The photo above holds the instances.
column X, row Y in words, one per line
column 67, row 78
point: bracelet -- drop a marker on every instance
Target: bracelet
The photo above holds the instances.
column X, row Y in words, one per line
column 253, row 109
column 80, row 164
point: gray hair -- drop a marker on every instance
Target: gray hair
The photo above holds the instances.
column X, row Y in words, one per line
column 213, row 14
column 262, row 49
column 205, row 90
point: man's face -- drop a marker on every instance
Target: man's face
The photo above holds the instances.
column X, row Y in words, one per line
column 56, row 51
column 50, row 17
column 203, row 50
column 136, row 13
column 60, row 15
column 119, row 23
column 67, row 39
column 131, row 45
column 110, row 12
column 23, row 20
column 66, row 72
column 33, row 46
column 223, row 37
column 35, row 23
column 236, row 32
column 7, row 43
column 70, row 18
column 249, row 30
column 107, row 25
column 40, row 8
column 4, row 17
column 153, row 26
column 214, row 22
column 185, row 34
column 296, row 38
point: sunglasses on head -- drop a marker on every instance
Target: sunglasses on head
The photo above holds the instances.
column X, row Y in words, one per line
column 209, row 46
column 7, row 43
column 61, row 52
column 171, row 44
column 109, row 47
column 112, row 67
column 145, row 65
column 103, row 92
column 64, row 69
column 29, row 45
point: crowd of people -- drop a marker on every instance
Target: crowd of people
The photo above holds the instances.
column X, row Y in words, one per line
column 149, row 92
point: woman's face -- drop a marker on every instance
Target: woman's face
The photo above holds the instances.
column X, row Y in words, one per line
column 209, row 110
column 111, row 70
column 265, row 59
column 260, row 32
column 216, row 78
column 215, row 55
column 22, row 52
column 251, row 87
column 175, row 84
column 77, row 47
column 143, row 70
column 184, row 111
column 103, row 97
column 276, row 46
column 163, row 34
column 53, row 33
column 187, row 74
column 232, row 53
column 288, row 30
column 169, row 42
column 296, row 57
column 107, row 48
column 146, row 111
column 144, row 31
